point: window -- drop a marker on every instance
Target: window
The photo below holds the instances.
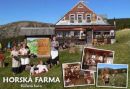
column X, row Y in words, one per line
column 76, row 33
column 106, row 33
column 88, row 18
column 59, row 34
column 66, row 34
column 71, row 33
column 80, row 18
column 72, row 18
column 96, row 34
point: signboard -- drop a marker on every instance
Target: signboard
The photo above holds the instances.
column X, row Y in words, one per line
column 39, row 46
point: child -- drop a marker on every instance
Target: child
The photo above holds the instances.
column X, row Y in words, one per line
column 41, row 68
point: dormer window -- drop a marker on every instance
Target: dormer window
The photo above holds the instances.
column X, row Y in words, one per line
column 72, row 18
column 88, row 18
column 80, row 18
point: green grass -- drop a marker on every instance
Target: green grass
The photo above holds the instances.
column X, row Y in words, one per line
column 122, row 56
column 119, row 80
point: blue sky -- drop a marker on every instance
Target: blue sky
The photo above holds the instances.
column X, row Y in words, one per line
column 114, row 66
column 52, row 10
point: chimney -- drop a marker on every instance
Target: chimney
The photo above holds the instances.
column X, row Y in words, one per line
column 114, row 22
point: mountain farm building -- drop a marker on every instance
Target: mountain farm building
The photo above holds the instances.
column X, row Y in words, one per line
column 84, row 26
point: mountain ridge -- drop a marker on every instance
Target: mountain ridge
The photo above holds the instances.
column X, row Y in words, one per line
column 25, row 24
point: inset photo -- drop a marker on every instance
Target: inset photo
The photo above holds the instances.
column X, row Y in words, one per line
column 74, row 76
column 92, row 56
column 112, row 75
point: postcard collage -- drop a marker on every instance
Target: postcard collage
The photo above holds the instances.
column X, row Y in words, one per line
column 97, row 68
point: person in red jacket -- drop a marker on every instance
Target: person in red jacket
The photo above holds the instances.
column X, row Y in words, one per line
column 2, row 57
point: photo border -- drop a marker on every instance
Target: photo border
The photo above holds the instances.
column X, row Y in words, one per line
column 80, row 70
column 95, row 49
column 112, row 86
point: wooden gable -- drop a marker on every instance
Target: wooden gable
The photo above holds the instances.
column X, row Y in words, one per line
column 82, row 9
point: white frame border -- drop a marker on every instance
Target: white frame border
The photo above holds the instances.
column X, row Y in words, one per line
column 95, row 49
column 80, row 70
column 113, row 86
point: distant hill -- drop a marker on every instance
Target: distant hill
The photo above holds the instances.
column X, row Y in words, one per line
column 121, row 23
column 24, row 24
column 13, row 29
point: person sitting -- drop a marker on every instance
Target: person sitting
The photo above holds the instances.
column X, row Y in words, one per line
column 40, row 68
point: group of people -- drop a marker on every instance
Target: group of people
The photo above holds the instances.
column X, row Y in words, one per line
column 91, row 60
column 71, row 74
column 94, row 59
column 38, row 69
column 21, row 59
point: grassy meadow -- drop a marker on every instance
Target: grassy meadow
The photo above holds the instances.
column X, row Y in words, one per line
column 122, row 56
